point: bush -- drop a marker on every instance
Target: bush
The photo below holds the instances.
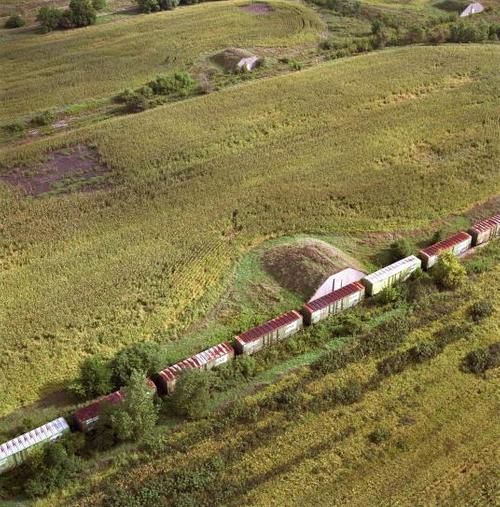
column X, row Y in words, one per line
column 423, row 351
column 179, row 83
column 82, row 12
column 379, row 435
column 168, row 5
column 14, row 21
column 49, row 18
column 401, row 248
column 389, row 295
column 480, row 310
column 130, row 420
column 148, row 6
column 16, row 127
column 448, row 272
column 99, row 5
column 147, row 357
column 192, row 393
column 438, row 34
column 95, row 378
column 294, row 64
column 392, row 365
column 467, row 32
column 43, row 118
column 480, row 360
column 52, row 468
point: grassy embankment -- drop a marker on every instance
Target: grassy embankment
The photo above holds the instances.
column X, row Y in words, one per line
column 384, row 141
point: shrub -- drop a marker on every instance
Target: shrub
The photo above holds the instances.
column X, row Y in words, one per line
column 148, row 6
column 168, row 5
column 14, row 21
column 480, row 360
column 423, row 351
column 379, row 434
column 147, row 357
column 468, row 32
column 83, row 12
column 448, row 272
column 16, row 127
column 192, row 393
column 393, row 365
column 179, row 83
column 52, row 468
column 99, row 5
column 95, row 378
column 294, row 64
column 480, row 310
column 130, row 420
column 438, row 34
column 49, row 18
column 389, row 295
column 401, row 248
column 43, row 118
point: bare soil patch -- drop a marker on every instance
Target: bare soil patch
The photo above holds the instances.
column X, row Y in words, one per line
column 304, row 265
column 257, row 8
column 76, row 168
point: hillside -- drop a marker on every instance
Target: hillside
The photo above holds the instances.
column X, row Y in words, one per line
column 99, row 61
column 356, row 145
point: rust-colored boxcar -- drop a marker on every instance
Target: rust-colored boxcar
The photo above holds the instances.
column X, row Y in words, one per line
column 485, row 230
column 214, row 356
column 333, row 303
column 268, row 333
column 457, row 244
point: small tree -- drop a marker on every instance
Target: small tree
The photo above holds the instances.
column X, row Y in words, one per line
column 147, row 357
column 14, row 21
column 82, row 12
column 95, row 378
column 481, row 309
column 448, row 272
column 49, row 18
column 192, row 394
column 130, row 420
column 148, row 6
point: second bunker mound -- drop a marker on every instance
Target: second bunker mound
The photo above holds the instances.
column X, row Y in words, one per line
column 302, row 266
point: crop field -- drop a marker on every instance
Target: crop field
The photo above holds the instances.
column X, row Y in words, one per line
column 436, row 424
column 101, row 60
column 381, row 142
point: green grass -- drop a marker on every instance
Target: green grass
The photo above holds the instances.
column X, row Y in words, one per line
column 64, row 67
column 384, row 141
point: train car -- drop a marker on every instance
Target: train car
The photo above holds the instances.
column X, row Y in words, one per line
column 396, row 272
column 333, row 303
column 15, row 451
column 268, row 333
column 336, row 281
column 86, row 417
column 214, row 356
column 485, row 230
column 456, row 244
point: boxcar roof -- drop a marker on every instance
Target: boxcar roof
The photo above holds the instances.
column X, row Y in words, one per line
column 33, row 437
column 486, row 224
column 447, row 243
column 392, row 269
column 269, row 326
column 91, row 411
column 197, row 361
column 336, row 295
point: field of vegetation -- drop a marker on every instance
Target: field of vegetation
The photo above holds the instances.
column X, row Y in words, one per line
column 382, row 142
column 63, row 68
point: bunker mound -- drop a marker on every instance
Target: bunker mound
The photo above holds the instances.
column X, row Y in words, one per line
column 304, row 265
column 257, row 8
column 75, row 168
column 236, row 60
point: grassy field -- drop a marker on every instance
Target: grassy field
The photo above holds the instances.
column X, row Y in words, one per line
column 62, row 68
column 439, row 429
column 384, row 141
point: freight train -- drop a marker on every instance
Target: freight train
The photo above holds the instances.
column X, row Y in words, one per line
column 15, row 451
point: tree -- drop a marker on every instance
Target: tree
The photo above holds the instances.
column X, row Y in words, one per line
column 83, row 12
column 148, row 6
column 448, row 272
column 147, row 357
column 95, row 378
column 192, row 393
column 130, row 420
column 49, row 18
column 14, row 21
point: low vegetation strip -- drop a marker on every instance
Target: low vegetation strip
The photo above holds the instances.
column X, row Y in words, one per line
column 101, row 60
column 168, row 217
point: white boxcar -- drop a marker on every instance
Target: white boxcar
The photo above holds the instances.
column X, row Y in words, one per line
column 456, row 244
column 396, row 272
column 15, row 451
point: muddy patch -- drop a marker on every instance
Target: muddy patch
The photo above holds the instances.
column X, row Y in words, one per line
column 257, row 8
column 72, row 169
